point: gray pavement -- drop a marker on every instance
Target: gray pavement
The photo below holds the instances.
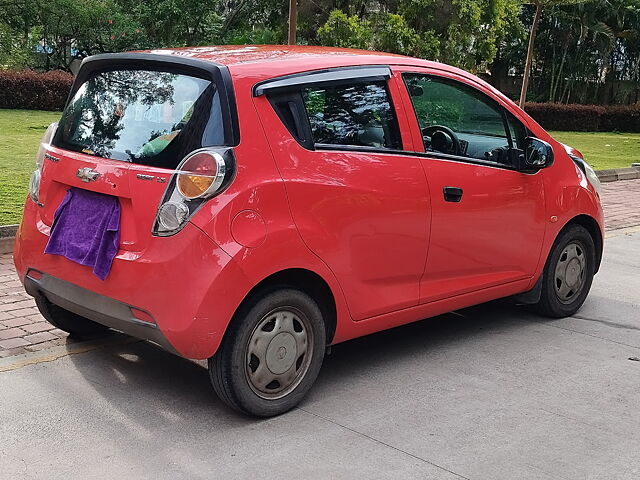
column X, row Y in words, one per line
column 492, row 392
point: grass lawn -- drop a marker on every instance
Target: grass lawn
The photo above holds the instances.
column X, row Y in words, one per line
column 604, row 150
column 21, row 130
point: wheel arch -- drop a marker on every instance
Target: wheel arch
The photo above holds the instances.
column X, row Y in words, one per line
column 592, row 226
column 306, row 281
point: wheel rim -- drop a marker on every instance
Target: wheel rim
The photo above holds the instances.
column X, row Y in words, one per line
column 278, row 353
column 570, row 272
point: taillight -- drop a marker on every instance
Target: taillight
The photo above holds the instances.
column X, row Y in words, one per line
column 34, row 181
column 202, row 175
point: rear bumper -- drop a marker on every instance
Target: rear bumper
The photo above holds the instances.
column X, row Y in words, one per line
column 100, row 309
column 187, row 284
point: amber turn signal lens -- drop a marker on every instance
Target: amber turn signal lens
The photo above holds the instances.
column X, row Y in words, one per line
column 192, row 186
column 201, row 174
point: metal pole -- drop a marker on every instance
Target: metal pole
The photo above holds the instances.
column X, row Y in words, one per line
column 293, row 21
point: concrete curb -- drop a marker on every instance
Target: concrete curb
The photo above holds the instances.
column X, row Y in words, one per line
column 615, row 174
column 7, row 236
column 8, row 230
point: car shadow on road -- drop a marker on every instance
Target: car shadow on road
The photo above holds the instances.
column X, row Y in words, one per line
column 142, row 388
column 444, row 331
column 143, row 370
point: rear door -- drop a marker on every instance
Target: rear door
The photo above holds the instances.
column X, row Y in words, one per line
column 129, row 121
column 357, row 201
column 488, row 219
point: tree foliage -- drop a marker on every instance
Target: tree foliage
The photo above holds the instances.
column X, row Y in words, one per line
column 341, row 30
column 585, row 51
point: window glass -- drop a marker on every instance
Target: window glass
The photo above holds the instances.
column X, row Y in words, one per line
column 146, row 117
column 517, row 130
column 360, row 115
column 458, row 120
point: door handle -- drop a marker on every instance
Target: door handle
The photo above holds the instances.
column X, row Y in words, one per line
column 452, row 194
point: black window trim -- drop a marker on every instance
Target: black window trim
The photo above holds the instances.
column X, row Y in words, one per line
column 501, row 108
column 303, row 134
column 214, row 72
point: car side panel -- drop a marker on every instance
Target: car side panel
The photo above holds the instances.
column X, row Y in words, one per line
column 252, row 223
column 365, row 214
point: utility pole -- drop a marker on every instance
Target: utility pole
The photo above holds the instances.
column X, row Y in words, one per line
column 293, row 21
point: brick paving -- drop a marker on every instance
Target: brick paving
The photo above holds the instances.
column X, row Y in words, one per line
column 22, row 328
column 621, row 203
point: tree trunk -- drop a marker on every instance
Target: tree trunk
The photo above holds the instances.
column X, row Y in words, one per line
column 560, row 72
column 293, row 21
column 527, row 66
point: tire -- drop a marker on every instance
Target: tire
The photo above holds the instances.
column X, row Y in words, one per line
column 568, row 273
column 280, row 331
column 75, row 325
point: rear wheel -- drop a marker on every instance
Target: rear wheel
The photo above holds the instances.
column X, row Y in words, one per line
column 75, row 325
column 568, row 273
column 271, row 354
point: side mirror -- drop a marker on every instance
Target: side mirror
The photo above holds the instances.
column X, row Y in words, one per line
column 537, row 154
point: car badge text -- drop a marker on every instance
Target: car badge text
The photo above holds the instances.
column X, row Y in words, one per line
column 141, row 176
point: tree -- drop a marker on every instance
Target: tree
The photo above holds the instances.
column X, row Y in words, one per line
column 341, row 30
column 467, row 31
column 539, row 6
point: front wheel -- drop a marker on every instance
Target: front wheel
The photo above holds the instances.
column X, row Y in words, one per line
column 271, row 354
column 568, row 273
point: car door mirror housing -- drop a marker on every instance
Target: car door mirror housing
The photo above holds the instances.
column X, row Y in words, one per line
column 537, row 154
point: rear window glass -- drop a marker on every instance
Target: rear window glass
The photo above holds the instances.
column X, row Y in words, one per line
column 139, row 116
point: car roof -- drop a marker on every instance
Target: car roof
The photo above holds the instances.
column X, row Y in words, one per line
column 261, row 62
column 270, row 60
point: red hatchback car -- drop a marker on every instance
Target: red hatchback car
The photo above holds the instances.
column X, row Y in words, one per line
column 251, row 205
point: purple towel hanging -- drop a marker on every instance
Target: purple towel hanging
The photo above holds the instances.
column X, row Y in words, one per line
column 86, row 230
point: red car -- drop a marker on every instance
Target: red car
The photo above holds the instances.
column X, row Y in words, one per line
column 270, row 201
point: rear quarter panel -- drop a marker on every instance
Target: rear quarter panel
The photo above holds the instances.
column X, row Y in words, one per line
column 251, row 220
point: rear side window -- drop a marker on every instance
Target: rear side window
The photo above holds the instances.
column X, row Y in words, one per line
column 146, row 117
column 358, row 115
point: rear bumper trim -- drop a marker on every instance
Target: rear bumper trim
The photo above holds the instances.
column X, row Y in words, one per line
column 98, row 308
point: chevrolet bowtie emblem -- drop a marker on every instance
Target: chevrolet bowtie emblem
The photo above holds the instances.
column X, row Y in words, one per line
column 87, row 174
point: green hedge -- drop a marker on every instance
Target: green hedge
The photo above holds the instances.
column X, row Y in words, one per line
column 27, row 89
column 586, row 118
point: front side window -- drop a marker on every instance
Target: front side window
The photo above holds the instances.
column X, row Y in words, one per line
column 357, row 115
column 146, row 117
column 458, row 120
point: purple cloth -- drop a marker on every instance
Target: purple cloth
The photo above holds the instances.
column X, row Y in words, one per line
column 86, row 230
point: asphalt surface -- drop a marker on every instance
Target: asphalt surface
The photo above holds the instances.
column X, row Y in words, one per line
column 491, row 392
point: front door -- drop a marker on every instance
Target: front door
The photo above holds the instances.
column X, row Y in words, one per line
column 487, row 222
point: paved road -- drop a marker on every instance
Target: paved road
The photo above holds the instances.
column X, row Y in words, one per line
column 493, row 392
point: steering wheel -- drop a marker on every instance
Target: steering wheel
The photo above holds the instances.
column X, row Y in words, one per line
column 443, row 139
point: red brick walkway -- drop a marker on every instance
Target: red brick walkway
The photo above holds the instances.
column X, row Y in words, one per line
column 22, row 328
column 621, row 203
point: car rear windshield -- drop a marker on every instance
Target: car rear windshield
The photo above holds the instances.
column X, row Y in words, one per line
column 142, row 116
